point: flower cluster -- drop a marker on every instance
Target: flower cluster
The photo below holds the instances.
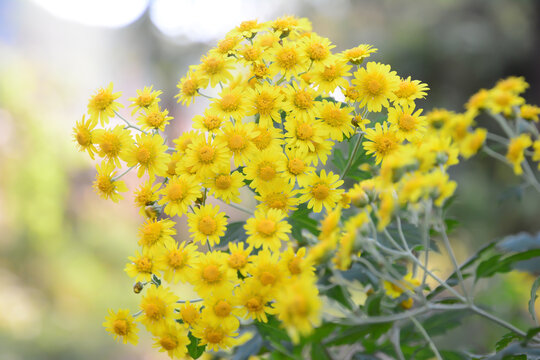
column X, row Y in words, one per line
column 285, row 105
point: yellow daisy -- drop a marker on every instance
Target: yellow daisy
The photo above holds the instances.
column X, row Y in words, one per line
column 317, row 49
column 231, row 102
column 215, row 69
column 408, row 91
column 190, row 314
column 407, row 124
column 287, row 60
column 172, row 338
column 515, row 153
column 179, row 193
column 142, row 266
column 239, row 257
column 356, row 55
column 295, row 167
column 208, row 122
column 267, row 229
column 268, row 137
column 282, row 196
column 267, row 270
column 146, row 195
column 336, row 120
column 300, row 102
column 266, row 101
column 211, row 273
column 189, row 87
column 263, row 171
column 149, row 154
column 113, row 143
column 84, row 135
column 154, row 234
column 254, row 300
column 176, row 261
column 157, row 307
column 221, row 306
column 206, row 223
column 122, row 326
column 225, row 185
column 238, row 138
column 153, row 118
column 207, row 155
column 145, row 99
column 332, row 75
column 303, row 134
column 382, row 141
column 105, row 184
column 297, row 264
column 322, row 190
column 376, row 84
column 215, row 335
column 102, row 105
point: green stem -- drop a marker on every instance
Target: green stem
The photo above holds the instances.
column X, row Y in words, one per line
column 122, row 174
column 425, row 240
column 204, row 95
column 237, row 207
column 504, row 124
column 427, row 337
column 352, row 156
column 191, row 301
column 394, row 339
column 497, row 320
column 129, row 125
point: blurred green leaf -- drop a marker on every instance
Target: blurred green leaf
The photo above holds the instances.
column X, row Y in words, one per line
column 300, row 220
column 533, row 298
column 235, row 233
column 194, row 350
column 501, row 263
column 505, row 340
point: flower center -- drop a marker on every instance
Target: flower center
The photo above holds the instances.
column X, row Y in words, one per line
column 264, row 103
column 207, row 225
column 211, row 122
column 155, row 119
column 143, row 155
column 189, row 87
column 374, row 86
column 176, row 259
column 294, row 266
column 229, row 102
column 237, row 142
column 332, row 117
column 175, row 192
column 120, row 327
column 211, row 273
column 144, row 265
column 105, row 184
column 237, row 260
column 223, row 182
column 254, row 304
column 276, row 201
column 317, row 51
column 214, row 336
column 407, row 122
column 267, row 278
column 259, row 70
column 168, row 343
column 299, row 306
column 266, row 227
column 384, row 144
column 303, row 100
column 330, row 73
column 287, row 58
column 304, row 131
column 144, row 100
column 222, row 308
column 226, row 45
column 206, row 154
column 153, row 311
column 251, row 53
column 84, row 138
column 110, row 144
column 267, row 172
column 405, row 90
column 320, row 191
column 296, row 166
column 212, row 65
column 263, row 139
column 189, row 314
column 102, row 100
column 151, row 233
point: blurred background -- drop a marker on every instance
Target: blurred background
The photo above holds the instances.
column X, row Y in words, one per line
column 63, row 250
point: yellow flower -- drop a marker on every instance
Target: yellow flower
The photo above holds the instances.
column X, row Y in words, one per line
column 153, row 118
column 357, row 54
column 376, row 84
column 336, row 120
column 386, row 209
column 183, row 141
column 382, row 141
column 238, row 139
column 267, row 229
column 113, row 143
column 536, row 155
column 407, row 124
column 189, row 87
column 439, row 118
column 231, row 102
column 268, row 138
column 225, row 185
column 105, row 184
column 322, row 190
column 211, row 273
column 296, row 264
column 408, row 91
column 176, row 261
column 473, row 142
column 180, row 192
column 263, row 171
column 503, row 101
column 190, row 314
column 145, row 99
column 299, row 308
column 227, row 46
column 478, row 101
column 254, row 300
column 102, row 105
column 282, row 196
column 239, row 257
column 317, row 49
column 215, row 69
column 265, row 100
column 527, row 112
column 173, row 339
column 122, row 326
column 287, row 60
column 442, row 186
column 221, row 307
column 142, row 266
column 320, row 151
column 290, row 26
column 250, row 53
column 295, row 167
column 84, row 136
column 248, row 29
column 206, row 223
column 515, row 153
column 334, row 74
column 514, row 84
column 394, row 290
column 267, row 270
column 149, row 154
column 304, row 134
column 207, row 155
column 215, row 335
column 157, row 307
column 154, row 234
column 145, row 197
column 300, row 102
column 208, row 122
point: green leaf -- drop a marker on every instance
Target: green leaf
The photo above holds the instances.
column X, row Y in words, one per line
column 534, row 289
column 319, row 352
column 515, row 357
column 372, row 307
column 436, row 324
column 340, row 294
column 271, row 330
column 351, row 335
column 506, row 340
column 319, row 333
column 501, row 264
column 300, row 220
column 531, row 333
column 194, row 350
column 235, row 233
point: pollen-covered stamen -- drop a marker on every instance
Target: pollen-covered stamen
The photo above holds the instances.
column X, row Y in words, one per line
column 144, row 264
column 406, row 122
column 102, row 100
column 168, row 343
column 190, row 87
column 296, row 166
column 304, row 131
column 237, row 142
column 222, row 308
column 223, row 182
column 287, row 58
column 266, row 227
column 143, row 155
column 120, row 327
column 176, row 259
column 214, row 336
column 211, row 273
column 267, row 172
column 176, row 192
column 320, row 191
column 206, row 154
column 264, row 103
column 267, row 278
column 303, row 100
column 229, row 102
column 207, row 225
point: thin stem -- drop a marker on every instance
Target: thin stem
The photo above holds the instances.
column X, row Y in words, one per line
column 504, row 124
column 500, row 139
column 237, row 207
column 425, row 241
column 204, row 95
column 450, row 251
column 191, row 301
column 529, row 174
column 137, row 313
column 495, row 154
column 394, row 339
column 427, row 337
column 122, row 174
column 129, row 125
column 401, row 235
column 497, row 320
column 352, row 156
